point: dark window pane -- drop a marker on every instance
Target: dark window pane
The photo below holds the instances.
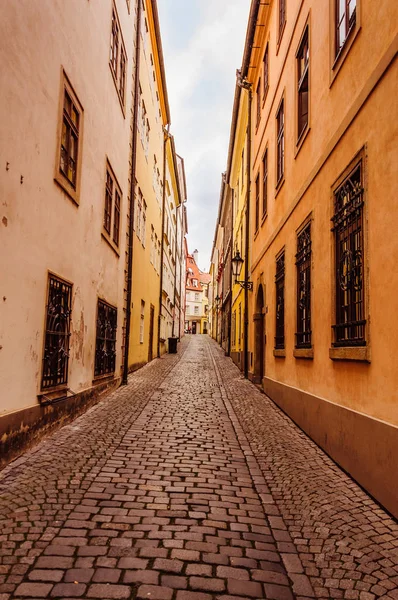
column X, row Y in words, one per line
column 280, row 302
column 56, row 345
column 303, row 264
column 105, row 347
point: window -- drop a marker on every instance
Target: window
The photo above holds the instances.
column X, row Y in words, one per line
column 195, row 282
column 282, row 16
column 280, row 302
column 280, row 150
column 258, row 102
column 240, row 324
column 56, row 344
column 196, row 310
column 349, row 328
column 105, row 344
column 303, row 58
column 69, row 142
column 242, row 168
column 303, row 265
column 233, row 328
column 140, row 220
column 187, row 309
column 113, row 196
column 345, row 21
column 142, row 317
column 266, row 72
column 196, row 296
column 118, row 57
column 265, row 183
column 257, row 202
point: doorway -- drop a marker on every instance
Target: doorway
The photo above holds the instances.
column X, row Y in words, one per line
column 259, row 336
column 151, row 323
column 194, row 327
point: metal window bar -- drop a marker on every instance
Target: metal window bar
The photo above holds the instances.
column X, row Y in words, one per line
column 280, row 302
column 105, row 347
column 349, row 328
column 56, row 346
column 303, row 264
column 108, row 202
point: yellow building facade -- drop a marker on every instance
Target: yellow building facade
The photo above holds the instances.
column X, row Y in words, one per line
column 323, row 213
column 153, row 117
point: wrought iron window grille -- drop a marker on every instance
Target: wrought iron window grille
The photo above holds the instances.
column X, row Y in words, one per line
column 280, row 302
column 105, row 347
column 56, row 346
column 303, row 264
column 349, row 328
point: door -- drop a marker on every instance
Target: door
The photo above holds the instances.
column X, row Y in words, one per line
column 194, row 327
column 259, row 337
column 151, row 324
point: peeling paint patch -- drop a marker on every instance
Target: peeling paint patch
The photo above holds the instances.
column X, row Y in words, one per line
column 5, row 221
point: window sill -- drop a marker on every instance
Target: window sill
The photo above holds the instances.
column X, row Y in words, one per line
column 352, row 353
column 102, row 378
column 279, row 185
column 340, row 58
column 53, row 394
column 105, row 236
column 301, row 140
column 307, row 353
column 67, row 187
column 280, row 353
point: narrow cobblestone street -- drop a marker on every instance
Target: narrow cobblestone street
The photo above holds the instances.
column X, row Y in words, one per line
column 189, row 484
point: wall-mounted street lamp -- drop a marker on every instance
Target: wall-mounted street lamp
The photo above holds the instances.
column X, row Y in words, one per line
column 237, row 263
column 217, row 300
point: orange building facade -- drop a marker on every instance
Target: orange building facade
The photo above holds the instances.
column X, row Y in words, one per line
column 322, row 76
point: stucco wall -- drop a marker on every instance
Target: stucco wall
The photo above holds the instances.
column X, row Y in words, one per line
column 41, row 228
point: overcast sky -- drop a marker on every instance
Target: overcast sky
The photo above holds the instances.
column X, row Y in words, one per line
column 203, row 46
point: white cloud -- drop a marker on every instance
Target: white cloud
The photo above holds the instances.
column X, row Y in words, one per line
column 200, row 73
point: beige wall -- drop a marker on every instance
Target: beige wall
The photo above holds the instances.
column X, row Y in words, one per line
column 146, row 276
column 351, row 109
column 42, row 229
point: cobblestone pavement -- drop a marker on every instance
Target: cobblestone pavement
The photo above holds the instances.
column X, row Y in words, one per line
column 189, row 484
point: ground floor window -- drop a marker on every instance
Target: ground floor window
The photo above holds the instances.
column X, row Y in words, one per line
column 105, row 345
column 303, row 265
column 349, row 327
column 56, row 344
column 280, row 301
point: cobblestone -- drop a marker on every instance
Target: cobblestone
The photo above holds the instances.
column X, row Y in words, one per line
column 189, row 484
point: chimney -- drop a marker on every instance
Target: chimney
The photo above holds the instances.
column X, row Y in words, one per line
column 195, row 256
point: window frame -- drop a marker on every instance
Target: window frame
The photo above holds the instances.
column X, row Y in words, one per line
column 72, row 190
column 280, row 271
column 118, row 64
column 110, row 342
column 257, row 203
column 109, row 236
column 258, row 103
column 282, row 7
column 346, row 350
column 337, row 58
column 303, row 335
column 280, row 137
column 300, row 84
column 265, row 170
column 265, row 72
column 50, row 331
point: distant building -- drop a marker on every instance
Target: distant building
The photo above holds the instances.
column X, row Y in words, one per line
column 196, row 300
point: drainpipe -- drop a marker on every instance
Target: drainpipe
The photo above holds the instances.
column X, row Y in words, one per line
column 247, row 232
column 165, row 138
column 132, row 192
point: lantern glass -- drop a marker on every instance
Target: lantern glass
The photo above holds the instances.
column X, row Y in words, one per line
column 237, row 263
